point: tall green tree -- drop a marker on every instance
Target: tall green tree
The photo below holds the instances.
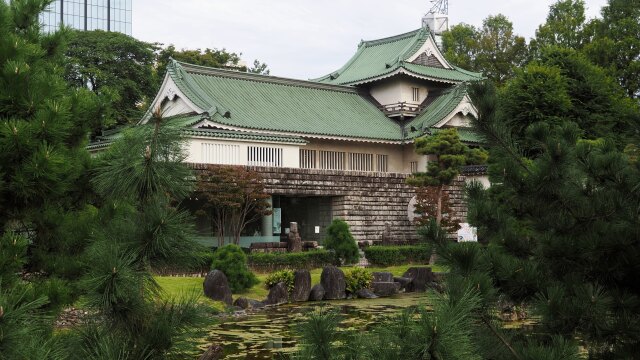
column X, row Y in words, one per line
column 44, row 180
column 141, row 180
column 614, row 43
column 563, row 27
column 460, row 45
column 115, row 66
column 493, row 49
column 561, row 217
column 500, row 51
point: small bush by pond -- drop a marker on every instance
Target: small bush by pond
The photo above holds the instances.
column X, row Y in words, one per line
column 357, row 278
column 267, row 262
column 398, row 255
column 281, row 276
column 232, row 261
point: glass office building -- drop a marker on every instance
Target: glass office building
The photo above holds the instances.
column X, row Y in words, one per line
column 107, row 15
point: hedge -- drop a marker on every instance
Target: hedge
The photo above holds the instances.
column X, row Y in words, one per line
column 397, row 255
column 267, row 262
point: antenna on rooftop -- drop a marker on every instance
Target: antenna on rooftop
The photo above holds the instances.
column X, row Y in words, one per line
column 437, row 19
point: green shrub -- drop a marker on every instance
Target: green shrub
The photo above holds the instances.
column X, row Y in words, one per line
column 398, row 255
column 357, row 278
column 340, row 240
column 232, row 261
column 284, row 276
column 267, row 262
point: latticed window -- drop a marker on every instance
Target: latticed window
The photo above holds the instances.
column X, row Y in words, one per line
column 382, row 163
column 226, row 154
column 332, row 160
column 264, row 156
column 307, row 159
column 360, row 162
column 414, row 167
column 416, row 94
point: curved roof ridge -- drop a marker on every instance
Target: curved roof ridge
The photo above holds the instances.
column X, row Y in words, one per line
column 375, row 42
column 211, row 71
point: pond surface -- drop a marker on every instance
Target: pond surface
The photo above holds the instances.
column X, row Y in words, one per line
column 266, row 334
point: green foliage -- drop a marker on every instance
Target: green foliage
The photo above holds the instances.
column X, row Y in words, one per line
column 259, row 68
column 281, row 276
column 232, row 261
column 231, row 197
column 558, row 218
column 116, row 67
column 564, row 26
column 357, row 278
column 614, row 44
column 318, row 335
column 208, row 57
column 492, row 49
column 398, row 255
column 340, row 241
column 302, row 260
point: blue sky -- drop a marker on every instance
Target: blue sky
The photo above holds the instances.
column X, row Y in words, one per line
column 309, row 38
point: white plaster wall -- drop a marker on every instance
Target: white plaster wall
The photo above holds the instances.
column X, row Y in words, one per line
column 409, row 152
column 174, row 107
column 459, row 120
column 290, row 153
column 398, row 90
column 482, row 179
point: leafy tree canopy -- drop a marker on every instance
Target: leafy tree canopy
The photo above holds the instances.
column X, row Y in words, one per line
column 117, row 67
column 492, row 49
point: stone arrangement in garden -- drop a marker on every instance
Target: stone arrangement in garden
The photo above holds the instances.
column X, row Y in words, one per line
column 332, row 286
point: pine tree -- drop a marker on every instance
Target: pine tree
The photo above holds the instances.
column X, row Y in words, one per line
column 561, row 218
column 141, row 180
column 449, row 155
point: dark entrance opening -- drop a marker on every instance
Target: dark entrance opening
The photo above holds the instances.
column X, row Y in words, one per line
column 312, row 213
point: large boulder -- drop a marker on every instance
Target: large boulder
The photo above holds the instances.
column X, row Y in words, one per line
column 366, row 294
column 403, row 281
column 317, row 293
column 301, row 285
column 382, row 277
column 385, row 288
column 244, row 303
column 421, row 278
column 216, row 287
column 278, row 294
column 332, row 280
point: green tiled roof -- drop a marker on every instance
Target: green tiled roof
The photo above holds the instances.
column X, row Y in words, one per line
column 378, row 58
column 469, row 135
column 259, row 102
column 439, row 108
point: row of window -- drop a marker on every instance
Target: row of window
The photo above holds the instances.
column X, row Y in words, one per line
column 229, row 154
column 339, row 160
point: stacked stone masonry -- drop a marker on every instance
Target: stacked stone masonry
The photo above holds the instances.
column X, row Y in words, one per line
column 365, row 200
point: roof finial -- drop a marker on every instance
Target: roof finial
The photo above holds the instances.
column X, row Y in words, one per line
column 437, row 19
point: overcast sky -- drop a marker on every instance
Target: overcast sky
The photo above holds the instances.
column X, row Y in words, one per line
column 309, row 38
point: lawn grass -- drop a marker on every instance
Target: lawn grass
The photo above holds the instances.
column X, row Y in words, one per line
column 174, row 287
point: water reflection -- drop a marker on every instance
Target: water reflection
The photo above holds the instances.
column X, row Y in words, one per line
column 264, row 335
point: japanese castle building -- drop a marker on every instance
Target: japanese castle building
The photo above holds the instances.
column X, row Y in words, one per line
column 339, row 146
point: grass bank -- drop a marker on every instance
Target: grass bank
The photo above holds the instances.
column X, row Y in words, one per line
column 174, row 287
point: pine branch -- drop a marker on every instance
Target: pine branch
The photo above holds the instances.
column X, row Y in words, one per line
column 502, row 339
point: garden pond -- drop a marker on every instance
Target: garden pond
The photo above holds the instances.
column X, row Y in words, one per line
column 270, row 332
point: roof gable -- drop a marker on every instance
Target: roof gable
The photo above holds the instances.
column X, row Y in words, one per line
column 413, row 53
